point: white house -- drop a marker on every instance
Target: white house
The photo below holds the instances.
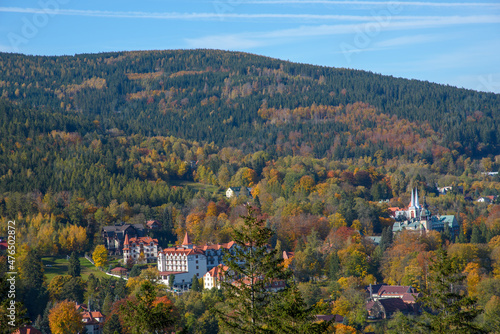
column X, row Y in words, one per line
column 237, row 191
column 93, row 321
column 144, row 249
column 213, row 278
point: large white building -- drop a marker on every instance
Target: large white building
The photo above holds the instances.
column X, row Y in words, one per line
column 140, row 250
column 189, row 260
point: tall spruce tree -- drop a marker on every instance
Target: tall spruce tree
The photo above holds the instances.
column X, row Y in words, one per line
column 195, row 284
column 74, row 265
column 446, row 310
column 250, row 305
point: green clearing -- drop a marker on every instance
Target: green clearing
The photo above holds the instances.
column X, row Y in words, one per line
column 58, row 265
column 195, row 186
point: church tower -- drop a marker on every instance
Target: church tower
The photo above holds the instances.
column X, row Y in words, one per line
column 414, row 207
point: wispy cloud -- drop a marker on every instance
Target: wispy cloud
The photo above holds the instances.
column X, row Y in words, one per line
column 8, row 48
column 411, row 40
column 377, row 3
column 209, row 16
column 284, row 35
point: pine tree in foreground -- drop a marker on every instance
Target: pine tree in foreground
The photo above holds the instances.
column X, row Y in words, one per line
column 251, row 305
column 448, row 310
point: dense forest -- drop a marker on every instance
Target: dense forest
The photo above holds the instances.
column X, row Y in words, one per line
column 98, row 139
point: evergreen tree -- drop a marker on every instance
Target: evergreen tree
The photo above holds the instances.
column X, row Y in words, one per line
column 120, row 289
column 195, row 284
column 135, row 271
column 42, row 322
column 147, row 313
column 446, row 309
column 74, row 265
column 250, row 306
column 35, row 295
column 112, row 325
column 107, row 304
column 333, row 269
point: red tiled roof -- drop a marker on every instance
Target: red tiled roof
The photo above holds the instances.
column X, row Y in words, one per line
column 227, row 245
column 150, row 223
column 91, row 317
column 288, row 255
column 410, row 297
column 181, row 250
column 394, row 290
column 97, row 314
column 144, row 240
column 27, row 330
column 393, row 304
column 81, row 306
column 218, row 271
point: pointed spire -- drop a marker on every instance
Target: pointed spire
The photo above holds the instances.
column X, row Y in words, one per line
column 126, row 240
column 187, row 240
column 416, row 198
column 412, row 201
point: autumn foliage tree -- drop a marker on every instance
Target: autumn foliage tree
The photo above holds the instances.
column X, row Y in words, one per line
column 65, row 319
column 100, row 256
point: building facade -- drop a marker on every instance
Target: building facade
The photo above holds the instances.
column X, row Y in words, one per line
column 140, row 250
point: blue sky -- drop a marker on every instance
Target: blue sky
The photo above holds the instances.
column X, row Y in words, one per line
column 448, row 42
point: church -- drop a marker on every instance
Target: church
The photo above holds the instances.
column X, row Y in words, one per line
column 418, row 217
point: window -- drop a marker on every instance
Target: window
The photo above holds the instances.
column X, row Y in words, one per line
column 196, row 261
column 196, row 267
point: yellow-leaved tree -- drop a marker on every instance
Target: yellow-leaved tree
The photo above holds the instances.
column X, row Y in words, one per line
column 100, row 256
column 64, row 318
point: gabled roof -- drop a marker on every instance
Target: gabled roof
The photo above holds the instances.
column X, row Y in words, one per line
column 92, row 317
column 375, row 288
column 182, row 251
column 218, row 271
column 145, row 240
column 227, row 245
column 288, row 255
column 27, row 330
column 394, row 290
column 392, row 305
column 150, row 223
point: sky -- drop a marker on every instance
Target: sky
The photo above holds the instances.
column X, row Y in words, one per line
column 449, row 42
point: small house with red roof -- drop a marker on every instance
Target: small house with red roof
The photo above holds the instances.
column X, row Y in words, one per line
column 385, row 308
column 213, row 278
column 94, row 321
column 27, row 330
column 153, row 225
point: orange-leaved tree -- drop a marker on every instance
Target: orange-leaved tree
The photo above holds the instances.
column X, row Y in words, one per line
column 64, row 318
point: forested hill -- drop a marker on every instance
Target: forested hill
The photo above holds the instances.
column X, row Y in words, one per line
column 250, row 102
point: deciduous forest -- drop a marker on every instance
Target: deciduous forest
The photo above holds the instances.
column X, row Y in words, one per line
column 92, row 140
